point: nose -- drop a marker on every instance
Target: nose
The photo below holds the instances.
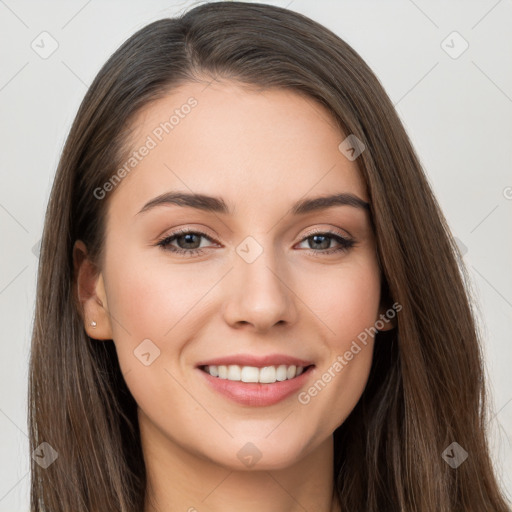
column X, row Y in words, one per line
column 259, row 294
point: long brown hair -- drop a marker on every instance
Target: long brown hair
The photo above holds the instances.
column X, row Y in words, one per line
column 426, row 385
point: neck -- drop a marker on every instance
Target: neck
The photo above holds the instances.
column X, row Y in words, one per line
column 179, row 479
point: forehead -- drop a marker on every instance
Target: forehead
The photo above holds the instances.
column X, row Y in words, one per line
column 255, row 148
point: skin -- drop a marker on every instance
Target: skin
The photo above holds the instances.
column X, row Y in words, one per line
column 261, row 152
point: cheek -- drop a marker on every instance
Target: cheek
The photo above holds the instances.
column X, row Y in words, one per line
column 346, row 303
column 149, row 299
column 344, row 299
column 160, row 302
column 153, row 308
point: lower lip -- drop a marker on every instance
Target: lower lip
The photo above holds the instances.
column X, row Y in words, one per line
column 254, row 393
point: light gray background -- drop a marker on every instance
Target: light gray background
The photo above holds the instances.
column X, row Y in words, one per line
column 458, row 113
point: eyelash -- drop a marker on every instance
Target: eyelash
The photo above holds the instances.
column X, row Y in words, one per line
column 164, row 243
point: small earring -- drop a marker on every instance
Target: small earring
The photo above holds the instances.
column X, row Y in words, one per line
column 93, row 324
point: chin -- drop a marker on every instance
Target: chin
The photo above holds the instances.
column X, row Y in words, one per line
column 257, row 454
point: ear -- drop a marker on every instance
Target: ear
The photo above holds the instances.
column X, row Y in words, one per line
column 90, row 291
column 386, row 319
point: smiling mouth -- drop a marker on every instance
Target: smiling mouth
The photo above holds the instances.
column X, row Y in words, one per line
column 254, row 374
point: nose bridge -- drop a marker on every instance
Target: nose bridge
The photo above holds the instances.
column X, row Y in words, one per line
column 258, row 293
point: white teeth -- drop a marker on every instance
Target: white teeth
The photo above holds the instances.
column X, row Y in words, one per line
column 291, row 371
column 265, row 375
column 223, row 372
column 249, row 374
column 234, row 372
column 281, row 372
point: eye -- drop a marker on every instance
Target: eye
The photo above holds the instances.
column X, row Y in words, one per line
column 322, row 240
column 189, row 242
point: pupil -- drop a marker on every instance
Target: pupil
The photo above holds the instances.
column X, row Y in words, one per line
column 188, row 238
column 316, row 237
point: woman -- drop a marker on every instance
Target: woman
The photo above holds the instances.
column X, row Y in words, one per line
column 248, row 296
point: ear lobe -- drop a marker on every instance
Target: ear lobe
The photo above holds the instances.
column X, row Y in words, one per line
column 91, row 295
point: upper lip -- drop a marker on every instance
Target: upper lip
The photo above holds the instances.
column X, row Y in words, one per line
column 257, row 361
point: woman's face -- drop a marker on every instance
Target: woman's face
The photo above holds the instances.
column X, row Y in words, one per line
column 251, row 287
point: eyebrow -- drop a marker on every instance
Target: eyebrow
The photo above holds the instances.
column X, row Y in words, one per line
column 218, row 205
